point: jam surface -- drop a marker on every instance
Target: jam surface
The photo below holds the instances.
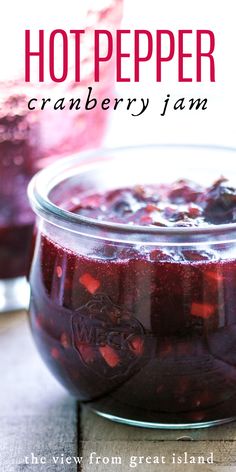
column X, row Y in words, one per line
column 138, row 332
column 183, row 203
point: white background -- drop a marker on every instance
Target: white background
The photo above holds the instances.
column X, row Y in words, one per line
column 217, row 125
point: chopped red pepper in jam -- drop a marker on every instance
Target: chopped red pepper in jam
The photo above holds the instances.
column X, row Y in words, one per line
column 109, row 355
column 89, row 282
column 203, row 310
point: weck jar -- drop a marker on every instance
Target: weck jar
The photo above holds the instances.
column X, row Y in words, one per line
column 133, row 280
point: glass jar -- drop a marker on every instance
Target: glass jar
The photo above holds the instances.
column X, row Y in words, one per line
column 30, row 139
column 138, row 322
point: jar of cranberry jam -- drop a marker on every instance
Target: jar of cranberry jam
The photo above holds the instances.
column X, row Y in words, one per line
column 34, row 131
column 133, row 279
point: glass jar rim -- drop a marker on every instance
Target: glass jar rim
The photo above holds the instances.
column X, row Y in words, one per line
column 45, row 180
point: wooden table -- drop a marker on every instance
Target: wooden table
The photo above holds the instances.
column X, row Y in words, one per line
column 40, row 424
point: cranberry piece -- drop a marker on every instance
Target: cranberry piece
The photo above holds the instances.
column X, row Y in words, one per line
column 146, row 220
column 129, row 253
column 151, row 207
column 194, row 211
column 184, row 191
column 160, row 256
column 121, row 207
column 146, row 193
column 219, row 202
column 121, row 203
column 198, row 255
column 107, row 251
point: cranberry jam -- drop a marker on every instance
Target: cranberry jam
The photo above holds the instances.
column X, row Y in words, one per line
column 134, row 292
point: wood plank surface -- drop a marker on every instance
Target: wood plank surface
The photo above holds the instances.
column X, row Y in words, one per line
column 37, row 416
column 109, row 439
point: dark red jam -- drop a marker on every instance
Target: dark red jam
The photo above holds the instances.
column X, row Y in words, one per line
column 146, row 333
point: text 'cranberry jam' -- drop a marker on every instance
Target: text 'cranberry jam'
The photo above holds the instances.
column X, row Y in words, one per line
column 133, row 282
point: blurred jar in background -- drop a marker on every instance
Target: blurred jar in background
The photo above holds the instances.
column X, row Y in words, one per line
column 29, row 140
